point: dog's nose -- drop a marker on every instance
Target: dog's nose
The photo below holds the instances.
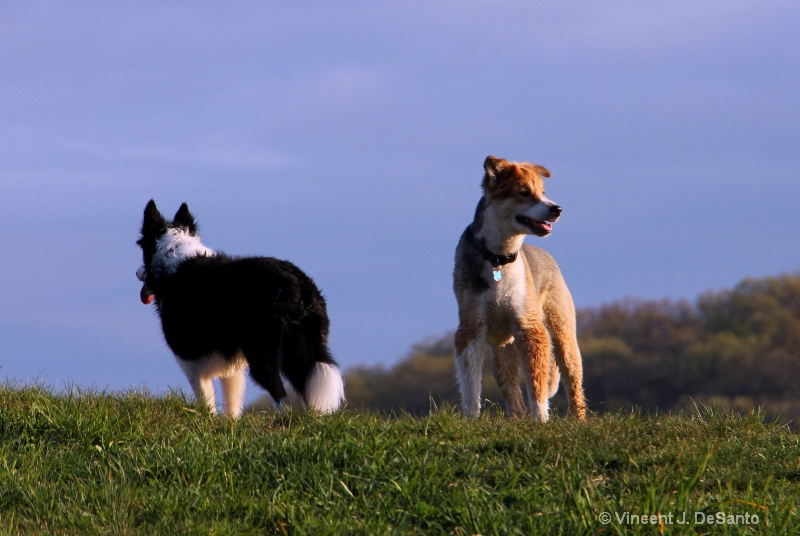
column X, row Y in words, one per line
column 555, row 210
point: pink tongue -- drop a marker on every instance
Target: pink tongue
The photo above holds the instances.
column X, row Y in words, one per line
column 146, row 296
column 547, row 226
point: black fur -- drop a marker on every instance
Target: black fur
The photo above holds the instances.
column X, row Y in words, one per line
column 264, row 308
column 471, row 265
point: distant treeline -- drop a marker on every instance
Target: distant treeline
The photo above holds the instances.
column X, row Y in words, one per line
column 738, row 348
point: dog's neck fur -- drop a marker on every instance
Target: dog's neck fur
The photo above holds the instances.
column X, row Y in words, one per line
column 174, row 247
column 494, row 231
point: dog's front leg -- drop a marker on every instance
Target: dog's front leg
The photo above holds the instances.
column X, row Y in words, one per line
column 233, row 388
column 204, row 392
column 200, row 382
column 534, row 343
column 568, row 357
column 470, row 353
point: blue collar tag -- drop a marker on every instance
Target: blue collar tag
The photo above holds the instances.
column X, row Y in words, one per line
column 498, row 275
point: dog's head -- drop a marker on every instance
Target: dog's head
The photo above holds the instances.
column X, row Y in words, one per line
column 517, row 188
column 165, row 244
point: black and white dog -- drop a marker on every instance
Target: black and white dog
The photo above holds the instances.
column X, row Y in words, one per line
column 221, row 314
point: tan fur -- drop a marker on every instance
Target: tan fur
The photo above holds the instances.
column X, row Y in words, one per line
column 526, row 321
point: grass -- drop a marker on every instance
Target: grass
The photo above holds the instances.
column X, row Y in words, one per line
column 93, row 463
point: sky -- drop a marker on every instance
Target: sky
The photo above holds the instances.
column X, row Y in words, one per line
column 349, row 138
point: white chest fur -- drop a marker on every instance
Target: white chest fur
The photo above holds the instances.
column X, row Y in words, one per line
column 503, row 304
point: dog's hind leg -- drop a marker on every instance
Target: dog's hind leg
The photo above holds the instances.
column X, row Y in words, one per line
column 506, row 365
column 470, row 353
column 265, row 372
column 233, row 387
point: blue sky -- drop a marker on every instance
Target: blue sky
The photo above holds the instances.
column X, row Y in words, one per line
column 349, row 137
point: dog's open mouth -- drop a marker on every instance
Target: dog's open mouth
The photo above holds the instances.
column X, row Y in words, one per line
column 145, row 295
column 540, row 228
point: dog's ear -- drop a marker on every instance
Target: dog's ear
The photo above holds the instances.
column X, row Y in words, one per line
column 493, row 167
column 183, row 218
column 541, row 170
column 153, row 223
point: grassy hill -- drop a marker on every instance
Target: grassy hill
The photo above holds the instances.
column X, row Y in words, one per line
column 88, row 463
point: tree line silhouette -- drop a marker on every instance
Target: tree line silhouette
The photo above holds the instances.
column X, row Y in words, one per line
column 736, row 348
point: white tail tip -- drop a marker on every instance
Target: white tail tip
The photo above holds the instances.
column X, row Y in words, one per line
column 325, row 388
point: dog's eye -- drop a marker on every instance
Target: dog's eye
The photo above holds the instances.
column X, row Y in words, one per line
column 525, row 193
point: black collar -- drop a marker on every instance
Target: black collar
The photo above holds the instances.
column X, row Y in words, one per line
column 495, row 260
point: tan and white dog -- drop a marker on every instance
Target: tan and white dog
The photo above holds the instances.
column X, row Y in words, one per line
column 514, row 308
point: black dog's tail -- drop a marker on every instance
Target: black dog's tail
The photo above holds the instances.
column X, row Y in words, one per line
column 309, row 366
column 307, row 361
column 324, row 388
